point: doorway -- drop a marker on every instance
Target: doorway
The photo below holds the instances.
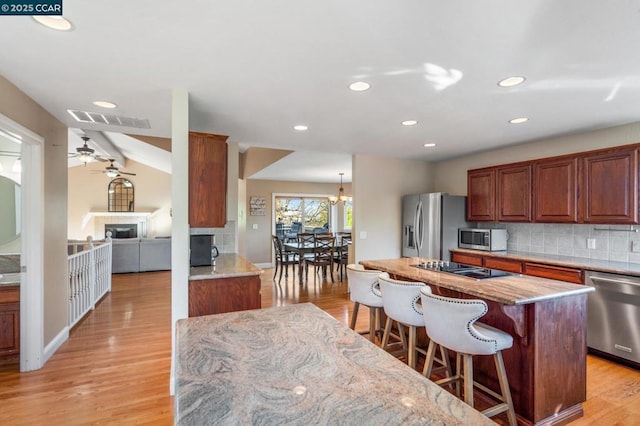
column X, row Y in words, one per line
column 31, row 250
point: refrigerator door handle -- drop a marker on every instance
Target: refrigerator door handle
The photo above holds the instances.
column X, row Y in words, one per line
column 418, row 225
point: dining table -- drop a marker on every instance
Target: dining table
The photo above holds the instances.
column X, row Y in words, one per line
column 306, row 248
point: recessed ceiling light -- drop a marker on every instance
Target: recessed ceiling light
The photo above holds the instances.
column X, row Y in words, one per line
column 300, row 127
column 409, row 122
column 105, row 104
column 429, row 145
column 511, row 81
column 359, row 86
column 518, row 120
column 54, row 22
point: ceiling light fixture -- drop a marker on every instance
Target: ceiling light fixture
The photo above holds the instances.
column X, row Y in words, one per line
column 359, row 86
column 300, row 127
column 518, row 120
column 111, row 172
column 409, row 122
column 54, row 22
column 105, row 104
column 429, row 145
column 340, row 197
column 85, row 154
column 511, row 81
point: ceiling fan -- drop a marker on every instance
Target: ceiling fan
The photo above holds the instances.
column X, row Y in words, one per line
column 112, row 171
column 86, row 154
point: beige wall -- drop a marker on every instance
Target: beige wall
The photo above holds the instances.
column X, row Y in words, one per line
column 257, row 244
column 24, row 111
column 88, row 192
column 378, row 186
column 451, row 176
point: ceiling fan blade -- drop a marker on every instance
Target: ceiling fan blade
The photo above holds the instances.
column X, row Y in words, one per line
column 127, row 173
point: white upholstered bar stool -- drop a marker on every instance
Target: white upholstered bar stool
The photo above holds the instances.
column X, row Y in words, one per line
column 364, row 288
column 401, row 303
column 452, row 323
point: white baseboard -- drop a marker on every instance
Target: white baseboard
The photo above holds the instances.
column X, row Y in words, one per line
column 264, row 265
column 53, row 345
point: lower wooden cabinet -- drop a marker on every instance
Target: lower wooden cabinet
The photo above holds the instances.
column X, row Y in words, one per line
column 560, row 273
column 223, row 295
column 9, row 323
column 508, row 265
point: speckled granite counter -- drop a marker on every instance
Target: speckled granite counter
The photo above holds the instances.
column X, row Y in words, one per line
column 226, row 265
column 568, row 261
column 298, row 365
column 509, row 290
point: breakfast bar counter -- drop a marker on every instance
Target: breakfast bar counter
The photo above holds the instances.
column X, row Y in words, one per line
column 298, row 365
column 546, row 366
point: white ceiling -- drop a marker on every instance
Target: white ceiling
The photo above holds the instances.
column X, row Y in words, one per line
column 255, row 69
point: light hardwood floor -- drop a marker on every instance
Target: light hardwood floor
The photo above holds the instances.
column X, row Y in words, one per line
column 114, row 369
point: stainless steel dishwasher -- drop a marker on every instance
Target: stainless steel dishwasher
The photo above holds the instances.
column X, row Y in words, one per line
column 613, row 315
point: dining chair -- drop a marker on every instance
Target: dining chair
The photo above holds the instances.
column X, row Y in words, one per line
column 364, row 290
column 283, row 258
column 322, row 255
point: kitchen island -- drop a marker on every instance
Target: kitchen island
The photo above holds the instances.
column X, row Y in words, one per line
column 232, row 283
column 298, row 365
column 547, row 318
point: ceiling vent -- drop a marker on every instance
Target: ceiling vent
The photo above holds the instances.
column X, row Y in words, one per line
column 109, row 119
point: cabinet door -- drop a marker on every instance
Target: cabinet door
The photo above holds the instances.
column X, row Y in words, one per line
column 207, row 180
column 560, row 273
column 466, row 258
column 503, row 264
column 555, row 190
column 514, row 193
column 481, row 198
column 609, row 192
column 9, row 329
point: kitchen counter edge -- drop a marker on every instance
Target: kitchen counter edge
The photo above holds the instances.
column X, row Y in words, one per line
column 227, row 265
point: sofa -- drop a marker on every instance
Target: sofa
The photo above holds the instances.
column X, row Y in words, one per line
column 140, row 255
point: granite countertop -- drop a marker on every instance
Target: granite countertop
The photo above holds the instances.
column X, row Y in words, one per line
column 298, row 365
column 513, row 289
column 559, row 260
column 227, row 265
column 10, row 279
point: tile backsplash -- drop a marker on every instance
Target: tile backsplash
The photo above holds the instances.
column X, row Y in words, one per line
column 609, row 242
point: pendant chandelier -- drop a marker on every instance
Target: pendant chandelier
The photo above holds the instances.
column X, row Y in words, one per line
column 340, row 197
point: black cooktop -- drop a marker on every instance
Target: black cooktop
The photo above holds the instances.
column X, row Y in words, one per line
column 470, row 271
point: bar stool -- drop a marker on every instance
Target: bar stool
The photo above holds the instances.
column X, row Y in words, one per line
column 452, row 323
column 364, row 290
column 401, row 303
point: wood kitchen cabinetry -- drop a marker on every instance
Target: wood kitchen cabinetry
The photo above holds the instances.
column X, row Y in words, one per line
column 589, row 187
column 221, row 295
column 555, row 190
column 610, row 187
column 9, row 324
column 207, row 180
column 481, row 198
column 553, row 272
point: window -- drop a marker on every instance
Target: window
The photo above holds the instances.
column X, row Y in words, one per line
column 120, row 195
column 311, row 212
column 348, row 214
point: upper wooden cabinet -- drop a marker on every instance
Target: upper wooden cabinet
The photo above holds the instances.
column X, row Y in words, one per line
column 589, row 187
column 513, row 201
column 555, row 190
column 481, row 198
column 610, row 187
column 207, row 180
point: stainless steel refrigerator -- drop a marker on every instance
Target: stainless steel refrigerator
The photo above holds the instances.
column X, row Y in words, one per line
column 430, row 224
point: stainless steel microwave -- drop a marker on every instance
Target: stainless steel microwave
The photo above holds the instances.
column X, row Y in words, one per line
column 483, row 239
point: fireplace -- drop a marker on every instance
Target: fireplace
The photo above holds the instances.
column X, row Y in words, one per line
column 122, row 230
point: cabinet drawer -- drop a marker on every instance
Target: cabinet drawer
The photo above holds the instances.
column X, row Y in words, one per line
column 467, row 259
column 503, row 264
column 554, row 272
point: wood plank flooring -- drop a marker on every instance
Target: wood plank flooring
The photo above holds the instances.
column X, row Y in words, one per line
column 114, row 369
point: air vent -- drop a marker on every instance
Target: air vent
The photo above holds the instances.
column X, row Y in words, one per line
column 110, row 119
